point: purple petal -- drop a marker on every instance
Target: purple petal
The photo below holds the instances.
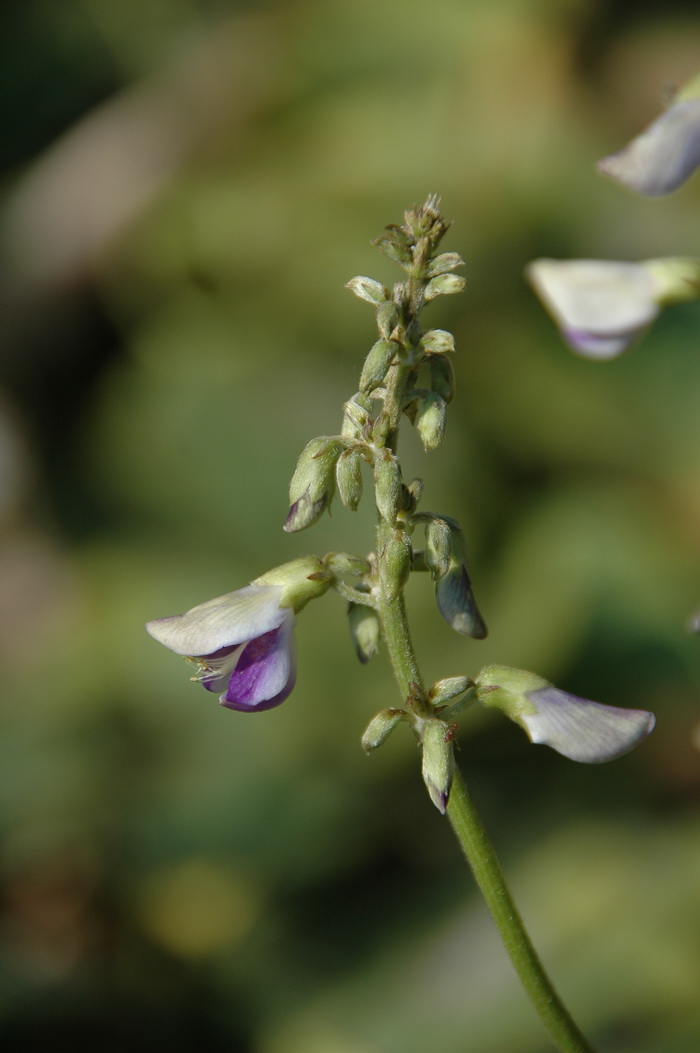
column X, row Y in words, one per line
column 222, row 622
column 583, row 730
column 663, row 156
column 265, row 673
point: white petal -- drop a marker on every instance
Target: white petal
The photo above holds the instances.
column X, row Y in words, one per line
column 600, row 305
column 583, row 730
column 222, row 622
column 663, row 156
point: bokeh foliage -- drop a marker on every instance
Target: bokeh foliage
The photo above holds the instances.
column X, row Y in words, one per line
column 187, row 186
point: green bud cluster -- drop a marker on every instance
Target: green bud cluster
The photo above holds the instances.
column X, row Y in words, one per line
column 408, row 373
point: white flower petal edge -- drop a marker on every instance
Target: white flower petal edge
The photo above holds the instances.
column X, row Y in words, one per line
column 583, row 730
column 222, row 622
column 599, row 305
column 663, row 156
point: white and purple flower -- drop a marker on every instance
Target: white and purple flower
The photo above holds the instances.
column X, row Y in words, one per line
column 243, row 644
column 575, row 727
column 602, row 306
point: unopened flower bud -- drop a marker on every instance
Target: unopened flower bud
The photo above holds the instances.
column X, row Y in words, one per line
column 431, row 420
column 443, row 690
column 367, row 289
column 387, row 318
column 438, row 762
column 444, row 263
column 380, row 727
column 376, row 365
column 395, row 562
column 341, row 563
column 313, row 483
column 394, row 249
column 301, row 580
column 356, row 416
column 444, row 285
column 364, row 629
column 442, row 377
column 437, row 342
column 388, row 490
column 438, row 547
column 348, row 472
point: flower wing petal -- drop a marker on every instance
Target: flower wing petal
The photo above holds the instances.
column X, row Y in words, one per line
column 222, row 622
column 663, row 156
column 583, row 730
column 266, row 671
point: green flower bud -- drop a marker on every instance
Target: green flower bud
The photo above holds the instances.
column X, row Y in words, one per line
column 313, row 483
column 444, row 285
column 437, row 342
column 438, row 762
column 302, row 580
column 431, row 420
column 442, row 377
column 364, row 629
column 438, row 547
column 394, row 249
column 395, row 563
column 443, row 690
column 388, row 489
column 341, row 563
column 380, row 727
column 356, row 417
column 387, row 318
column 445, row 262
column 376, row 365
column 367, row 289
column 348, row 473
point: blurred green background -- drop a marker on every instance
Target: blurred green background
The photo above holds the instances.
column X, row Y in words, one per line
column 186, row 187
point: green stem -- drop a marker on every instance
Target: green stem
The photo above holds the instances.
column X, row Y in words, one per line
column 481, row 856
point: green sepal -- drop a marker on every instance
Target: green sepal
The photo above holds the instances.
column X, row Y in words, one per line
column 302, row 580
